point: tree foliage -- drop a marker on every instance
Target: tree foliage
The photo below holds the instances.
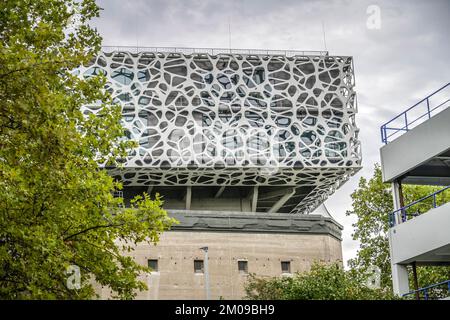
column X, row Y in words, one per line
column 322, row 282
column 372, row 202
column 56, row 206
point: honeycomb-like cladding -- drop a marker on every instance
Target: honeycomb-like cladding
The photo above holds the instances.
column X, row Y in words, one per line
column 235, row 119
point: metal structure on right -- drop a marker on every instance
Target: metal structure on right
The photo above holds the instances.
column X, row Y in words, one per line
column 417, row 151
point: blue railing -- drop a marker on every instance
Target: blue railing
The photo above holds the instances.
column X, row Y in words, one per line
column 405, row 214
column 426, row 290
column 409, row 118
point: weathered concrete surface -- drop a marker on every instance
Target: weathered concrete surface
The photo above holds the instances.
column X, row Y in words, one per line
column 264, row 243
column 255, row 222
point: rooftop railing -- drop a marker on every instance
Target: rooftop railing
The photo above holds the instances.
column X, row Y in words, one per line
column 430, row 292
column 215, row 51
column 415, row 115
column 403, row 213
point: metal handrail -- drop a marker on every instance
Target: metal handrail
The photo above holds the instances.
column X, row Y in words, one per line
column 215, row 51
column 384, row 128
column 425, row 289
column 393, row 215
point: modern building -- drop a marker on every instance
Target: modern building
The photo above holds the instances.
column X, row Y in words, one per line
column 417, row 151
column 243, row 145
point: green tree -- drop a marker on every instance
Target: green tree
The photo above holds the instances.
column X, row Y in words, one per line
column 372, row 202
column 56, row 206
column 322, row 282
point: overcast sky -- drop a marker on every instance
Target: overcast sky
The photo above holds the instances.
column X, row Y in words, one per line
column 395, row 65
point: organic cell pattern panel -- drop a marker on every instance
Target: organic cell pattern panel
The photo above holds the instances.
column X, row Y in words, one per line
column 235, row 119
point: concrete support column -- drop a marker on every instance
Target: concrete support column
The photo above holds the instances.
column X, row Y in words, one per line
column 400, row 281
column 254, row 197
column 397, row 197
column 188, row 197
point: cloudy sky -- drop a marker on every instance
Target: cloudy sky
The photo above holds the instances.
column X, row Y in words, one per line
column 397, row 64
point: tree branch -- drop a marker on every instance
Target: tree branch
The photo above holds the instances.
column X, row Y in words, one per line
column 93, row 228
column 2, row 75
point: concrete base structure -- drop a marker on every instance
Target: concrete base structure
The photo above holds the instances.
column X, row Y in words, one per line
column 265, row 244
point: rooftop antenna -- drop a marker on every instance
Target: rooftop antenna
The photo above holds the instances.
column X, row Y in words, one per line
column 136, row 30
column 324, row 40
column 229, row 32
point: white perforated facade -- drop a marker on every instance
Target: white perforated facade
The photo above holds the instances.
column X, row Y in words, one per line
column 266, row 120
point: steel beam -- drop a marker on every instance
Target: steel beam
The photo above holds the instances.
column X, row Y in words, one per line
column 219, row 192
column 188, row 197
column 289, row 193
column 254, row 197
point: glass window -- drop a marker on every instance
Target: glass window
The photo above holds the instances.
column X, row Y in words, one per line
column 123, row 76
column 285, row 266
column 243, row 266
column 94, row 71
column 258, row 75
column 143, row 75
column 153, row 264
column 198, row 266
